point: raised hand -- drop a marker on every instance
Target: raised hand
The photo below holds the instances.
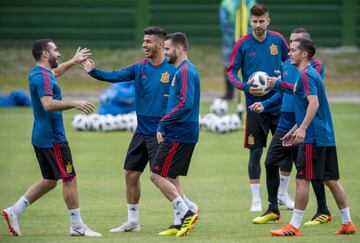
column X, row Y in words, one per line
column 88, row 65
column 81, row 55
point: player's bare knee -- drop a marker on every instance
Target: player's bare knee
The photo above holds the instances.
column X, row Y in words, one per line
column 154, row 177
column 50, row 184
column 331, row 184
column 132, row 177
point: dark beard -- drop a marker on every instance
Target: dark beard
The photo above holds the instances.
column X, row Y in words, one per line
column 172, row 59
column 52, row 62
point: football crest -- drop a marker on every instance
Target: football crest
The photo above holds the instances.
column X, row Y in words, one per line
column 165, row 77
column 274, row 49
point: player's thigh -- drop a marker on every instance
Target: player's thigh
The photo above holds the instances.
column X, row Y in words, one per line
column 331, row 171
column 137, row 155
column 277, row 154
column 46, row 159
column 255, row 134
column 152, row 145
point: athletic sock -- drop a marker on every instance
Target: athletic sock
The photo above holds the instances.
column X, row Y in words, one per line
column 319, row 190
column 179, row 204
column 19, row 207
column 297, row 217
column 345, row 215
column 177, row 218
column 133, row 213
column 188, row 203
column 255, row 190
column 75, row 216
column 283, row 187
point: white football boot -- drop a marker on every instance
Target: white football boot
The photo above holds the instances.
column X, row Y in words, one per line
column 83, row 230
column 127, row 227
column 12, row 221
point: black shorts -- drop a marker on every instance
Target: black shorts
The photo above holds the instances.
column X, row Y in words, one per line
column 172, row 159
column 279, row 155
column 257, row 128
column 56, row 163
column 319, row 163
column 141, row 149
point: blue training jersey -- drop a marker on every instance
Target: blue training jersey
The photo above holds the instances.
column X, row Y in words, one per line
column 249, row 55
column 181, row 123
column 152, row 84
column 320, row 131
column 48, row 127
column 289, row 74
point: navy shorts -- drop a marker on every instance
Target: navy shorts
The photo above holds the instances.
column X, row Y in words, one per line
column 142, row 149
column 281, row 156
column 56, row 163
column 319, row 163
column 258, row 126
column 172, row 159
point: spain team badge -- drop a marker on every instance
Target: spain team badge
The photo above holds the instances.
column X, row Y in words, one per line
column 68, row 168
column 274, row 49
column 165, row 77
column 251, row 139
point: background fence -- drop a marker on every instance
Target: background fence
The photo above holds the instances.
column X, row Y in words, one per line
column 120, row 22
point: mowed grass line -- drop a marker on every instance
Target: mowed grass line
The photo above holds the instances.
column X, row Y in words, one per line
column 217, row 182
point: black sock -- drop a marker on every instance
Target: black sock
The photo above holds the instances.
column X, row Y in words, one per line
column 319, row 190
column 272, row 184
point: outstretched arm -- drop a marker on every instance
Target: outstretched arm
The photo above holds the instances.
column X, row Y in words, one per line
column 78, row 58
column 122, row 75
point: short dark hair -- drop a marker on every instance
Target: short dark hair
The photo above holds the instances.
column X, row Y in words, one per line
column 306, row 45
column 259, row 10
column 155, row 30
column 178, row 38
column 39, row 46
column 303, row 31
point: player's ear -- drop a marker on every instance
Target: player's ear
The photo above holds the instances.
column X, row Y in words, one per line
column 268, row 19
column 161, row 44
column 45, row 54
column 179, row 48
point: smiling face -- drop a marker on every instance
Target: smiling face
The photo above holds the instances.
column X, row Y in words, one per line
column 259, row 24
column 53, row 54
column 152, row 46
column 170, row 51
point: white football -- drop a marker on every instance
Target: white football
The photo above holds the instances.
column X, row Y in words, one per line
column 121, row 121
column 81, row 122
column 235, row 122
column 208, row 120
column 131, row 122
column 220, row 125
column 108, row 123
column 260, row 80
column 96, row 122
column 219, row 107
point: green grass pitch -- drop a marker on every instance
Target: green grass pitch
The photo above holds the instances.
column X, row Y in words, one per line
column 217, row 182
